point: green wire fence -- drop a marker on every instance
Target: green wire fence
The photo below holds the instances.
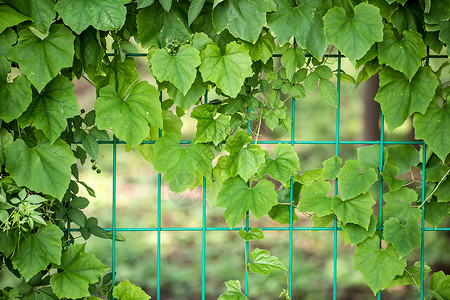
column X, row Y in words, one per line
column 291, row 228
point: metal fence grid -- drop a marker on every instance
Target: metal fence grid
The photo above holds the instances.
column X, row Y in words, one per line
column 337, row 142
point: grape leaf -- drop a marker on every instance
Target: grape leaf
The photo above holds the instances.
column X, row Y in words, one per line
column 433, row 127
column 404, row 238
column 440, row 285
column 254, row 234
column 41, row 60
column 244, row 19
column 16, row 96
column 209, row 128
column 179, row 69
column 357, row 210
column 292, row 59
column 5, row 140
column 389, row 173
column 442, row 193
column 233, row 292
column 43, row 168
column 229, row 70
column 243, row 161
column 399, row 97
column 354, row 36
column 439, row 11
column 356, row 234
column 154, row 25
column 314, row 198
column 237, row 197
column 101, row 14
column 7, row 39
column 263, row 48
column 398, row 205
column 263, row 263
column 369, row 156
column 128, row 291
column 185, row 102
column 331, row 168
column 411, row 275
column 51, row 108
column 41, row 12
column 404, row 55
column 79, row 269
column 328, row 92
column 166, row 4
column 403, row 157
column 194, row 10
column 435, row 212
column 301, row 22
column 378, row 267
column 282, row 167
column 10, row 17
column 179, row 164
column 129, row 117
column 353, row 182
column 38, row 250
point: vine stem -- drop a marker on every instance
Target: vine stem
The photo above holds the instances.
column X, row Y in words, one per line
column 432, row 193
column 137, row 79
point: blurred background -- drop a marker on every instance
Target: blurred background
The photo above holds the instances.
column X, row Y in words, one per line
column 225, row 251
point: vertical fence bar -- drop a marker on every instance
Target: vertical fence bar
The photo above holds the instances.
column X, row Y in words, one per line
column 422, row 225
column 204, row 229
column 291, row 199
column 247, row 225
column 336, row 152
column 380, row 195
column 113, row 260
column 158, row 230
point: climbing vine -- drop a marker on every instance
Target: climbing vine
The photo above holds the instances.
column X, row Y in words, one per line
column 251, row 53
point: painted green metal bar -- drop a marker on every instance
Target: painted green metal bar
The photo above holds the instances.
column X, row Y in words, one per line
column 380, row 196
column 291, row 207
column 158, row 229
column 422, row 225
column 204, row 229
column 336, row 183
column 113, row 217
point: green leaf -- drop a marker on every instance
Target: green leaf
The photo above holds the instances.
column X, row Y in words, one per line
column 166, row 4
column 440, row 285
column 228, row 70
column 16, row 95
column 301, row 22
column 7, row 242
column 5, row 140
column 129, row 117
column 128, row 291
column 101, row 14
column 404, row 55
column 354, row 35
column 398, row 205
column 42, row 59
column 43, row 168
column 433, row 126
column 378, row 267
column 331, row 168
column 51, row 108
column 10, row 17
column 155, row 24
column 179, row 69
column 243, row 161
column 400, row 97
column 7, row 39
column 328, row 92
column 404, row 238
column 233, row 292
column 442, row 193
column 244, row 19
column 185, row 102
column 79, row 269
column 120, row 74
column 282, row 167
column 181, row 163
column 353, row 182
column 263, row 48
column 439, row 11
column 209, row 128
column 411, row 275
column 144, row 3
column 263, row 263
column 292, row 59
column 314, row 198
column 237, row 197
column 194, row 10
column 254, row 234
column 357, row 210
column 356, row 234
column 403, row 157
column 41, row 12
column 369, row 156
column 311, row 81
column 435, row 212
column 389, row 174
column 38, row 250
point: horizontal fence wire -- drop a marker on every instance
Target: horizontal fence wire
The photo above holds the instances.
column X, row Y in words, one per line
column 290, row 228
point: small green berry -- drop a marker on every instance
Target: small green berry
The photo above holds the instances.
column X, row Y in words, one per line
column 98, row 171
